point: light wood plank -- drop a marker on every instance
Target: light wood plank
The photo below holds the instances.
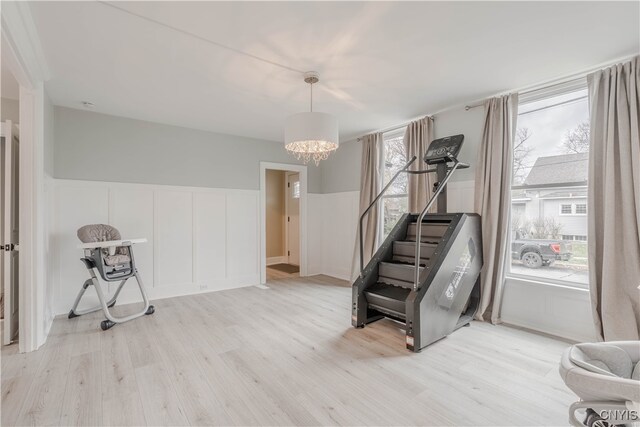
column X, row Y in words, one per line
column 286, row 355
column 82, row 399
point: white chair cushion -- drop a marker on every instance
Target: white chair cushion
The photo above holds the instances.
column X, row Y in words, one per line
column 602, row 358
column 117, row 259
column 636, row 372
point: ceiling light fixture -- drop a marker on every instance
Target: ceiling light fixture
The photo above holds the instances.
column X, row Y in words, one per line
column 311, row 135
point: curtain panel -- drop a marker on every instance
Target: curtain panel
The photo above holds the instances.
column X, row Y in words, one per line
column 371, row 179
column 614, row 201
column 493, row 200
column 420, row 187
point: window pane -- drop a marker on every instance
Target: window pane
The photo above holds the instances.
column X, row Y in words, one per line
column 296, row 190
column 549, row 191
column 394, row 160
column 394, row 207
column 395, row 201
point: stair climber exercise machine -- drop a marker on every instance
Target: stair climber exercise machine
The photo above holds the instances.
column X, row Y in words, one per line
column 432, row 287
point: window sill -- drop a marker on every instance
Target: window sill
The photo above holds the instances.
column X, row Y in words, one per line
column 583, row 287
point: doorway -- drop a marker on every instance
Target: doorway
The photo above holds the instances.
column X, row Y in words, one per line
column 283, row 198
column 9, row 230
column 292, row 224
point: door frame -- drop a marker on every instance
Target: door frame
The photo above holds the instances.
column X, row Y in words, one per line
column 286, row 213
column 26, row 62
column 9, row 131
column 302, row 170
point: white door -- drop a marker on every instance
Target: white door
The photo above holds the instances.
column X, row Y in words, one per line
column 10, row 256
column 293, row 218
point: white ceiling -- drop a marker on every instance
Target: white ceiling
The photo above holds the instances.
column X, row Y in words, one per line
column 381, row 63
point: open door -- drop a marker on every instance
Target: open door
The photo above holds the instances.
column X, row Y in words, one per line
column 293, row 218
column 10, row 227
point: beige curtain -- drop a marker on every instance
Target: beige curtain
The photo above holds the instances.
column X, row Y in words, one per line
column 371, row 178
column 492, row 199
column 614, row 201
column 416, row 140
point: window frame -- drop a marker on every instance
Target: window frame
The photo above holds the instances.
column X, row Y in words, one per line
column 562, row 206
column 545, row 93
column 386, row 136
column 575, row 205
column 573, row 208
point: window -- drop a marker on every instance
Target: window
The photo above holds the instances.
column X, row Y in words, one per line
column 573, row 209
column 549, row 189
column 574, row 237
column 295, row 193
column 395, row 201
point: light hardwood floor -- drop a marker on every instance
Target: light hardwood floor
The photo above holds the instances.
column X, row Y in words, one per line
column 286, row 355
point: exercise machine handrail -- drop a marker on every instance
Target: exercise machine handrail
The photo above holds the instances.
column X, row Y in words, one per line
column 441, row 186
column 404, row 169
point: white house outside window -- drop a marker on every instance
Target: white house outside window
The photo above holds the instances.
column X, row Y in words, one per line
column 549, row 189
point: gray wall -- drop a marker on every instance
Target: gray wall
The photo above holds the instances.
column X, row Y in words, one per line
column 100, row 147
column 9, row 110
column 341, row 172
column 470, row 123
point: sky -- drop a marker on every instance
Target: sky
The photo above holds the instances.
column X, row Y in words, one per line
column 548, row 121
column 549, row 125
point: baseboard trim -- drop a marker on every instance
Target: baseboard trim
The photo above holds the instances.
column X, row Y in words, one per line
column 277, row 260
column 131, row 294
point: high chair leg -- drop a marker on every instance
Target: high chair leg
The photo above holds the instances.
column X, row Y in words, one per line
column 105, row 304
column 93, row 281
column 112, row 320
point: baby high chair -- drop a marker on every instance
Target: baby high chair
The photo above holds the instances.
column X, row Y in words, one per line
column 113, row 258
column 606, row 376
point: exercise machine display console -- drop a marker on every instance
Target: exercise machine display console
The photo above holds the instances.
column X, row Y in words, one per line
column 444, row 150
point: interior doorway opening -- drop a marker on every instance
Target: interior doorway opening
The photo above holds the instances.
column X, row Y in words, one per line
column 282, row 216
column 283, row 219
column 9, row 202
column 9, row 221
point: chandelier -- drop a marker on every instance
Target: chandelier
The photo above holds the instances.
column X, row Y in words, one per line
column 311, row 135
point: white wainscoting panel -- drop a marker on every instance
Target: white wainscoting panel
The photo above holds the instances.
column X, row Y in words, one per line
column 173, row 224
column 131, row 209
column 339, row 233
column 200, row 239
column 315, row 237
column 210, row 245
column 76, row 205
column 242, row 235
column 51, row 254
column 557, row 310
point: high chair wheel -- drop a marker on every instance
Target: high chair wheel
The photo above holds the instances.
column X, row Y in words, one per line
column 150, row 310
column 72, row 314
column 106, row 324
column 112, row 304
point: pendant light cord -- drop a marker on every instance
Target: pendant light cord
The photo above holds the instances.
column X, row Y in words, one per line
column 311, row 103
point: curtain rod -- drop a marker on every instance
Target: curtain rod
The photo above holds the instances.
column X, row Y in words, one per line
column 396, row 127
column 522, row 91
column 558, row 81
